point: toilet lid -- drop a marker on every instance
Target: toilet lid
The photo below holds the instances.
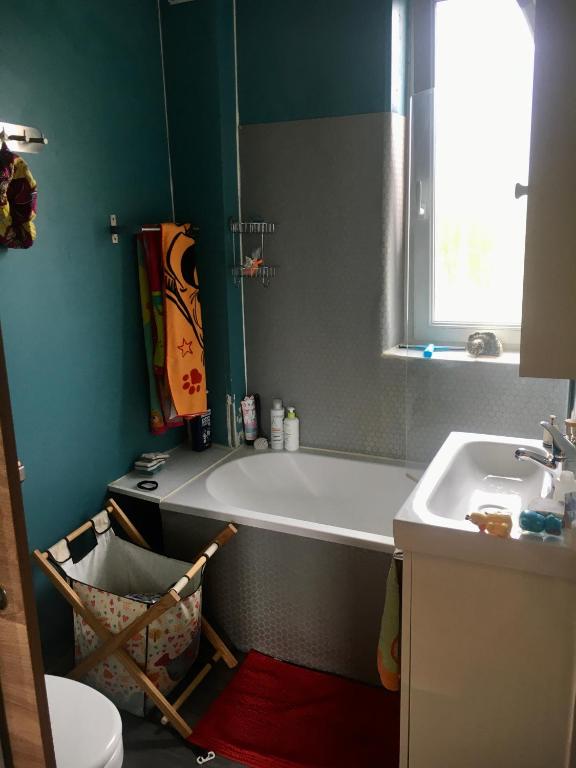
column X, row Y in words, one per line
column 86, row 726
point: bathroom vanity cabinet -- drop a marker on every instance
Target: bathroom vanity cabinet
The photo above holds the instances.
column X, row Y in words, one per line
column 488, row 666
column 488, row 624
column 549, row 305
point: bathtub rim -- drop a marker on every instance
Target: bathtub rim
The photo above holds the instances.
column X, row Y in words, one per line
column 281, row 524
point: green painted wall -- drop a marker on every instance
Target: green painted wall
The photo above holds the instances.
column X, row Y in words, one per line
column 200, row 83
column 399, row 64
column 89, row 75
column 316, row 58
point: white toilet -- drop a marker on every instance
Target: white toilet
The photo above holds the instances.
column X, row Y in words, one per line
column 86, row 726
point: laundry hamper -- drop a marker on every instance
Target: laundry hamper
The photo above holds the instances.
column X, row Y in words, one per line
column 137, row 614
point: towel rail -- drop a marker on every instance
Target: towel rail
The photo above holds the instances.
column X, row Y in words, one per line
column 158, row 229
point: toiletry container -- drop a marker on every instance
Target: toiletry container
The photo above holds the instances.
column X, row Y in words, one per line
column 291, row 431
column 563, row 484
column 277, row 425
column 250, row 418
column 200, row 431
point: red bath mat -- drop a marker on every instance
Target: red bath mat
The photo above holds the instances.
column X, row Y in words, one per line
column 277, row 715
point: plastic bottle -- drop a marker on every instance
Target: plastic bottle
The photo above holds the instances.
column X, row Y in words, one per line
column 563, row 484
column 277, row 425
column 565, row 497
column 291, row 431
column 250, row 419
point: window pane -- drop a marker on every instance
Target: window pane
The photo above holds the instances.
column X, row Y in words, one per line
column 484, row 54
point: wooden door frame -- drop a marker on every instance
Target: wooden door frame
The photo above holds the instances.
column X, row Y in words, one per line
column 25, row 725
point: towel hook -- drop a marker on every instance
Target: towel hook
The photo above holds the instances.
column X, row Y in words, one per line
column 27, row 138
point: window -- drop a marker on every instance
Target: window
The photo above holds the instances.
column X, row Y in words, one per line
column 470, row 117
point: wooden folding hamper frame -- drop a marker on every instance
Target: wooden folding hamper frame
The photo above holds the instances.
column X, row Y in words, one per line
column 113, row 644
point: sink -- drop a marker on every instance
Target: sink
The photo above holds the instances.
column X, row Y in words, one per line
column 474, row 473
column 471, row 473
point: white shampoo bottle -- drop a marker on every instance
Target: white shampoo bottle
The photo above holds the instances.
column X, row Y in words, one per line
column 291, row 431
column 277, row 425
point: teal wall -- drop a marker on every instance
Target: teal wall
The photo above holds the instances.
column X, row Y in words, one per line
column 89, row 75
column 201, row 93
column 399, row 56
column 316, row 58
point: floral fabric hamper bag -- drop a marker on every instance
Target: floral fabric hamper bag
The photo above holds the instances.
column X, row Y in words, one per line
column 137, row 614
column 118, row 581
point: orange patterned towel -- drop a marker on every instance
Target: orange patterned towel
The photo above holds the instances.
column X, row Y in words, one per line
column 183, row 318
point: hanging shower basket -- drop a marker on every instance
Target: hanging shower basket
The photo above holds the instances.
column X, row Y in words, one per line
column 253, row 266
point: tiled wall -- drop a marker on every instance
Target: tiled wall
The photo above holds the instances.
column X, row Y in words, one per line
column 314, row 603
column 316, row 336
column 474, row 396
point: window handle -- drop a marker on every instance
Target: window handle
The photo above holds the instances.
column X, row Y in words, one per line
column 421, row 206
column 520, row 190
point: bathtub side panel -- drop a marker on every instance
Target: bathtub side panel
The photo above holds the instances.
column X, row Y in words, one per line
column 302, row 600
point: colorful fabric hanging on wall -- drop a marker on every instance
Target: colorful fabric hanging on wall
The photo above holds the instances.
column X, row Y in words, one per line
column 183, row 315
column 162, row 412
column 18, row 199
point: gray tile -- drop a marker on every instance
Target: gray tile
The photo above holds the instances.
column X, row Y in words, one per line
column 315, row 603
column 315, row 337
column 443, row 396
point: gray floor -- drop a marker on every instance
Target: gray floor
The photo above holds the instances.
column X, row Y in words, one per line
column 147, row 744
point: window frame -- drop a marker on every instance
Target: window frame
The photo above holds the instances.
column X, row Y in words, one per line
column 420, row 236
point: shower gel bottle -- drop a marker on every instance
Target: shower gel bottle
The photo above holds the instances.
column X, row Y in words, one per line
column 291, row 431
column 277, row 425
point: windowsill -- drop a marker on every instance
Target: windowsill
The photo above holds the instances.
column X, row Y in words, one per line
column 506, row 358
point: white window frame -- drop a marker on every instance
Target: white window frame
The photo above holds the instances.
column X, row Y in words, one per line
column 420, row 325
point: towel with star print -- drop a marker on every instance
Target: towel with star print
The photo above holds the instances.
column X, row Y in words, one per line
column 183, row 322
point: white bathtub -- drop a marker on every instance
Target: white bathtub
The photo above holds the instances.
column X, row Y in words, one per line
column 321, row 495
column 305, row 578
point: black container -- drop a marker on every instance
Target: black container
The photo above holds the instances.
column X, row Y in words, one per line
column 200, row 431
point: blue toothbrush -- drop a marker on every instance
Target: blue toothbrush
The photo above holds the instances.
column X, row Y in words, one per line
column 429, row 349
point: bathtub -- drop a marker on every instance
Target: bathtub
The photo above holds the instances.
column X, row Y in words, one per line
column 304, row 579
column 320, row 495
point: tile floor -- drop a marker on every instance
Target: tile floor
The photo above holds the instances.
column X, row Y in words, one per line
column 147, row 744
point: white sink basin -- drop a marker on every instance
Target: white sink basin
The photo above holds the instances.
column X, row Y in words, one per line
column 472, row 473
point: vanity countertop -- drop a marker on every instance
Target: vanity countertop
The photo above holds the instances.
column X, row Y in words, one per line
column 183, row 465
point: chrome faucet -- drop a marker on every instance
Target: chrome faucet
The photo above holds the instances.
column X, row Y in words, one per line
column 563, row 454
column 545, row 460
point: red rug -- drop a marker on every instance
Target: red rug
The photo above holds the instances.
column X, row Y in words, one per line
column 277, row 715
